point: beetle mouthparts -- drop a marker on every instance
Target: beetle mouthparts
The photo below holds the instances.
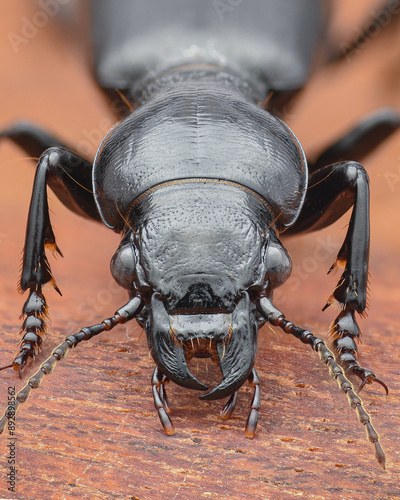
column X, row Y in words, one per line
column 169, row 357
column 237, row 356
column 229, row 339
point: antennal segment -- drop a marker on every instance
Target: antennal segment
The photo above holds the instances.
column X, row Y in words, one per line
column 124, row 314
column 277, row 318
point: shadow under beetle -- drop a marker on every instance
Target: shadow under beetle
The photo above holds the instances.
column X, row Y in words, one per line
column 200, row 180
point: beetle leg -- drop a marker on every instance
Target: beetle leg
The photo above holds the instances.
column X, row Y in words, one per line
column 159, row 395
column 31, row 138
column 163, row 394
column 361, row 140
column 332, row 191
column 344, row 331
column 252, row 420
column 69, row 176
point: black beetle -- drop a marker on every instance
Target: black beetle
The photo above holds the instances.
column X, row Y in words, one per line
column 200, row 181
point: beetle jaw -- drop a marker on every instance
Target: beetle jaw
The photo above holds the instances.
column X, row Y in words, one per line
column 229, row 339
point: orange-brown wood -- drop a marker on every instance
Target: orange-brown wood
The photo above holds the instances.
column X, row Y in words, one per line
column 91, row 430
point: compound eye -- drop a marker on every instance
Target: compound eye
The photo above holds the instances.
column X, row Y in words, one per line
column 279, row 264
column 123, row 265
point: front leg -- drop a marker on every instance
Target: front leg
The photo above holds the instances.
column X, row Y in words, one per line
column 332, row 191
column 69, row 176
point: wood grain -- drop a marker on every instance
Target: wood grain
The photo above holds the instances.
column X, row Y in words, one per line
column 91, row 430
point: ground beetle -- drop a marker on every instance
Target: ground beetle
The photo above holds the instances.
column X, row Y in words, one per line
column 200, row 180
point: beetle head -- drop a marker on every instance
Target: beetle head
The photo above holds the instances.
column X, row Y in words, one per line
column 201, row 270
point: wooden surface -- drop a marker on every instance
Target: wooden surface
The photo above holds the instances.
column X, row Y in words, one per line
column 91, row 430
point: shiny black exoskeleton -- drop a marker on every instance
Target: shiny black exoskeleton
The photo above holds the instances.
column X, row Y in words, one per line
column 200, row 181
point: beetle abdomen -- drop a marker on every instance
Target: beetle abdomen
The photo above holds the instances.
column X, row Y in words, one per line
column 135, row 37
column 200, row 128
